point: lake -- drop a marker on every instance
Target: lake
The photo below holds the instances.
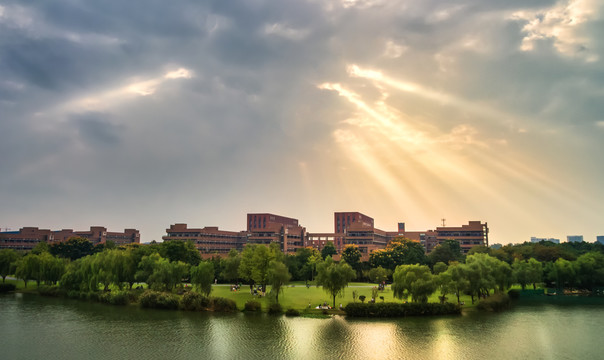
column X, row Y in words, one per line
column 34, row 327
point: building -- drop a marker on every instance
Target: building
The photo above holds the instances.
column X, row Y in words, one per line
column 28, row 237
column 268, row 228
column 473, row 234
column 537, row 240
column 358, row 229
column 600, row 239
column 574, row 238
column 209, row 240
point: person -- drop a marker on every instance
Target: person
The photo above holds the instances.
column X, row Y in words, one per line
column 340, row 306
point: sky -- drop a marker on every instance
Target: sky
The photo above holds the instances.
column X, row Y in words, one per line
column 145, row 113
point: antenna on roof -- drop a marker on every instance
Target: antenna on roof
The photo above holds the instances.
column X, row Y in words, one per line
column 443, row 220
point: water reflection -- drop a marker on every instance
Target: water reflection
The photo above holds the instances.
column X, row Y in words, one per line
column 32, row 327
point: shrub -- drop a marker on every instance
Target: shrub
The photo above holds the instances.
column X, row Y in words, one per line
column 6, row 287
column 223, row 304
column 495, row 302
column 292, row 312
column 192, row 301
column 119, row 298
column 362, row 298
column 275, row 309
column 158, row 300
column 400, row 309
column 252, row 305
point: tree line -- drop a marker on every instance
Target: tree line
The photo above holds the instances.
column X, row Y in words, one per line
column 79, row 266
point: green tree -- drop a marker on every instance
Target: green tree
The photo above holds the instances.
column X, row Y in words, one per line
column 589, row 269
column 74, row 248
column 352, row 256
column 278, row 276
column 40, row 248
column 399, row 251
column 413, row 280
column 457, row 278
column 562, row 273
column 379, row 274
column 202, row 277
column 439, row 267
column 479, row 274
column 334, row 278
column 448, row 251
column 328, row 250
column 28, row 268
column 8, row 262
column 527, row 272
column 178, row 250
column 230, row 268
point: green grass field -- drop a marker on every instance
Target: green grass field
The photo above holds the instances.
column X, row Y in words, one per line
column 298, row 296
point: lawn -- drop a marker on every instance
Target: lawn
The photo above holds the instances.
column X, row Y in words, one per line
column 298, row 296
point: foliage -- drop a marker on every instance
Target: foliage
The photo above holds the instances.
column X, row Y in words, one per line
column 379, row 275
column 362, row 298
column 192, row 301
column 352, row 256
column 399, row 251
column 448, row 251
column 158, row 300
column 8, row 260
column 439, row 267
column 230, row 267
column 496, row 302
column 413, row 280
column 255, row 260
column 527, row 272
column 329, row 250
column 334, row 277
column 178, row 250
column 74, row 248
column 221, row 304
column 202, row 277
column 252, row 306
column 278, row 276
column 292, row 312
column 275, row 309
column 387, row 310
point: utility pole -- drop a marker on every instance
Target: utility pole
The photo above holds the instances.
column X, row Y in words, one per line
column 443, row 220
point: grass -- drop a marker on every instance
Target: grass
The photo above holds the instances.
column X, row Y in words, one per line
column 298, row 296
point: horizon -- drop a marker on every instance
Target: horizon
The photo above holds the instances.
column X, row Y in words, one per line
column 406, row 111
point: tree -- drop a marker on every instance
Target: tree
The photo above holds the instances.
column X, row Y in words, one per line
column 527, row 272
column 8, row 259
column 379, row 274
column 479, row 274
column 439, row 267
column 334, row 278
column 562, row 272
column 28, row 268
column 40, row 248
column 413, row 280
column 178, row 250
column 352, row 256
column 230, row 268
column 589, row 269
column 457, row 279
column 202, row 277
column 399, row 251
column 278, row 276
column 448, row 251
column 328, row 250
column 74, row 248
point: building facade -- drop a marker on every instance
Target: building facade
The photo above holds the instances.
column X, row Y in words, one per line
column 600, row 239
column 475, row 233
column 208, row 240
column 28, row 237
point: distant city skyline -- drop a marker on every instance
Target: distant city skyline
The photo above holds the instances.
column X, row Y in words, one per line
column 141, row 115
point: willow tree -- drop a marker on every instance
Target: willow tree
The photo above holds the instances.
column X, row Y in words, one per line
column 334, row 277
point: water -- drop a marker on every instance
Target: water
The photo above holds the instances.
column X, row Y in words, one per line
column 33, row 327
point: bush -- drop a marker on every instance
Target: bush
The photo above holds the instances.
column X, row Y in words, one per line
column 400, row 310
column 292, row 312
column 6, row 287
column 252, row 305
column 275, row 309
column 119, row 298
column 192, row 301
column 158, row 300
column 223, row 305
column 495, row 302
column 514, row 293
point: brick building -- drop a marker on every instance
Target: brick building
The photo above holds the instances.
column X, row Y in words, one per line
column 28, row 237
column 209, row 240
column 473, row 234
column 267, row 228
